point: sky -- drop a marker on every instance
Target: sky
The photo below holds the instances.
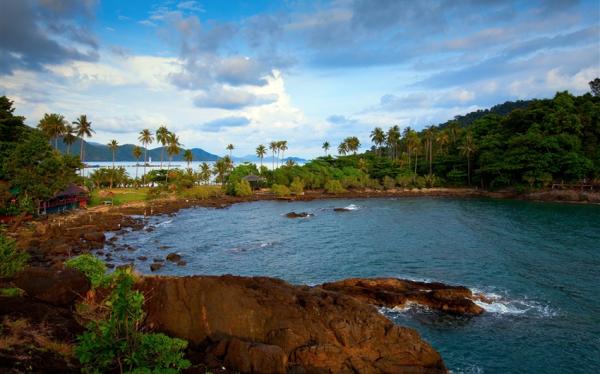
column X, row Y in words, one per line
column 248, row 72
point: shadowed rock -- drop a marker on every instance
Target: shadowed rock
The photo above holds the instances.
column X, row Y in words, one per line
column 392, row 292
column 55, row 286
column 267, row 325
column 298, row 215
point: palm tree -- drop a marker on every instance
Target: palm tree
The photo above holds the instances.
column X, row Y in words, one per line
column 173, row 148
column 53, row 126
column 442, row 139
column 84, row 130
column 146, row 139
column 326, row 147
column 273, row 146
column 188, row 156
column 69, row 137
column 205, row 172
column 283, row 147
column 113, row 145
column 221, row 168
column 378, row 138
column 261, row 151
column 230, row 148
column 429, row 135
column 453, row 129
column 393, row 136
column 137, row 153
column 343, row 148
column 352, row 144
column 467, row 149
column 161, row 137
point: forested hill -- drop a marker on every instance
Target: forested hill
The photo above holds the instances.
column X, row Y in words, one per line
column 101, row 152
column 500, row 109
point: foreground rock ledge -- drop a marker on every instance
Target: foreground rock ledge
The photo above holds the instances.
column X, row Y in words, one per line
column 265, row 325
column 393, row 292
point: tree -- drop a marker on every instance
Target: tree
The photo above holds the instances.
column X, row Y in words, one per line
column 137, row 153
column 283, row 147
column 222, row 168
column 113, row 145
column 173, row 148
column 230, row 148
column 595, row 87
column 454, row 130
column 53, row 126
column 69, row 137
column 325, row 147
column 205, row 172
column 442, row 139
column 343, row 148
column 393, row 136
column 161, row 136
column 467, row 149
column 352, row 144
column 146, row 139
column 84, row 130
column 273, row 146
column 429, row 135
column 378, row 138
column 261, row 151
column 188, row 156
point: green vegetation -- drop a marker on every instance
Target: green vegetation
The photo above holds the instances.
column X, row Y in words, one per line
column 92, row 267
column 118, row 196
column 280, row 190
column 242, row 188
column 11, row 258
column 11, row 292
column 116, row 342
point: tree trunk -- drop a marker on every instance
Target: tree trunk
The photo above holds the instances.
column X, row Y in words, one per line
column 469, row 170
column 145, row 161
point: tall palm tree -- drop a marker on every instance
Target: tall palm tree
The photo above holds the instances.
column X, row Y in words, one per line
column 113, row 145
column 146, row 139
column 69, row 137
column 393, row 136
column 230, row 148
column 343, row 148
column 283, row 147
column 467, row 149
column 84, row 130
column 378, row 138
column 137, row 153
column 205, row 172
column 352, row 144
column 273, row 146
column 221, row 168
column 453, row 129
column 161, row 137
column 261, row 151
column 188, row 156
column 442, row 139
column 326, row 147
column 53, row 126
column 429, row 135
column 173, row 148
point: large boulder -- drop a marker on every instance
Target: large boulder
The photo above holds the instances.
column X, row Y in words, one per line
column 55, row 286
column 260, row 323
column 393, row 292
column 97, row 237
column 298, row 215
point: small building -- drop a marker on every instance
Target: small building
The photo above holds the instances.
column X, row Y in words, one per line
column 72, row 197
column 254, row 180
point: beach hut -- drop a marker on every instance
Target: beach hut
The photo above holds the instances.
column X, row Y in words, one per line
column 254, row 180
column 72, row 197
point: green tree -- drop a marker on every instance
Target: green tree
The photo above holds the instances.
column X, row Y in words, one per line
column 69, row 137
column 352, row 144
column 221, row 168
column 173, row 148
column 137, row 153
column 205, row 172
column 83, row 127
column 230, row 148
column 282, row 145
column 146, row 139
column 261, row 151
column 326, row 147
column 393, row 137
column 273, row 147
column 595, row 87
column 53, row 126
column 343, row 148
column 468, row 148
column 113, row 145
column 188, row 156
column 162, row 135
column 378, row 138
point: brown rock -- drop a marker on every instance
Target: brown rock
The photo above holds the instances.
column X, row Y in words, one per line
column 55, row 286
column 181, row 263
column 173, row 257
column 392, row 292
column 156, row 266
column 97, row 237
column 142, row 258
column 317, row 330
column 298, row 215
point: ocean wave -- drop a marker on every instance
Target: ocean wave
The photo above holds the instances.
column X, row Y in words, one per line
column 352, row 207
column 495, row 303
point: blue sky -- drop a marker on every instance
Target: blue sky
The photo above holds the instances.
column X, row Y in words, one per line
column 249, row 72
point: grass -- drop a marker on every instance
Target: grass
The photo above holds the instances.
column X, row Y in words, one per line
column 11, row 292
column 120, row 195
column 19, row 332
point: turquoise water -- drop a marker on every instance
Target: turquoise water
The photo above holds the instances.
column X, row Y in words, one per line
column 539, row 261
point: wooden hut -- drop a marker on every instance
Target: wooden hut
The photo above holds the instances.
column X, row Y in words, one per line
column 254, row 180
column 72, row 197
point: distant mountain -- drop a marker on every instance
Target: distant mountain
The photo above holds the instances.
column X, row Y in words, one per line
column 500, row 109
column 100, row 152
column 267, row 159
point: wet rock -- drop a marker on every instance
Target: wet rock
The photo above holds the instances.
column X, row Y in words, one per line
column 317, row 330
column 298, row 215
column 393, row 292
column 55, row 286
column 158, row 259
column 110, row 266
column 181, row 263
column 97, row 237
column 173, row 257
column 149, row 229
column 156, row 266
column 163, row 247
column 341, row 209
column 142, row 258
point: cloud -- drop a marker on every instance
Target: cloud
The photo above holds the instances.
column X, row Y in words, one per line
column 337, row 119
column 231, row 98
column 226, row 122
column 33, row 34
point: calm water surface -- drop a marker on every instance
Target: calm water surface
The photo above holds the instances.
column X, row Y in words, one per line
column 541, row 263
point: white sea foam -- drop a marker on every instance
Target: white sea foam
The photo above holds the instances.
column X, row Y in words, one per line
column 505, row 305
column 352, row 207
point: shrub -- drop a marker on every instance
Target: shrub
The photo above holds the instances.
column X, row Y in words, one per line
column 11, row 292
column 11, row 259
column 297, row 186
column 431, row 180
column 280, row 190
column 334, row 186
column 242, row 188
column 389, row 183
column 202, row 192
column 404, row 181
column 92, row 267
column 116, row 343
column 419, row 182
